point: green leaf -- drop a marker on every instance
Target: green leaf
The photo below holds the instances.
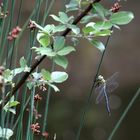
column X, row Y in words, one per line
column 23, row 65
column 99, row 45
column 23, row 62
column 66, row 50
column 61, row 61
column 56, row 89
column 72, row 6
column 59, row 43
column 10, row 104
column 63, row 16
column 7, row 74
column 75, row 29
column 17, row 71
column 59, row 28
column 103, row 25
column 43, row 39
column 6, row 133
column 44, row 51
column 59, row 77
column 121, row 18
column 46, row 75
column 99, row 9
column 56, row 18
column 87, row 18
column 103, row 33
column 13, row 104
column 49, row 28
column 88, row 30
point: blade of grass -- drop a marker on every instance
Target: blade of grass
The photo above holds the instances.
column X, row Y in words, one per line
column 19, row 133
column 13, row 45
column 124, row 114
column 47, row 105
column 29, row 134
column 82, row 121
column 10, row 23
column 3, row 31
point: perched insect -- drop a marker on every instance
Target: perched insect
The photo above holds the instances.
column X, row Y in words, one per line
column 103, row 87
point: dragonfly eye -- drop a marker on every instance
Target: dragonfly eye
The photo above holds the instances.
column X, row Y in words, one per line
column 100, row 77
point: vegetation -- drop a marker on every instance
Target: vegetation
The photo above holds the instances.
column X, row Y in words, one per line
column 27, row 78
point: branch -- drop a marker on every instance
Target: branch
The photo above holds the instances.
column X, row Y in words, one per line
column 25, row 76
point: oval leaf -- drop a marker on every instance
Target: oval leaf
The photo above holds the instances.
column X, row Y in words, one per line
column 43, row 39
column 99, row 45
column 46, row 74
column 121, row 18
column 59, row 77
column 61, row 61
column 59, row 43
column 65, row 51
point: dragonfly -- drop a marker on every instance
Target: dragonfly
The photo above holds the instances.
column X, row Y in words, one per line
column 104, row 87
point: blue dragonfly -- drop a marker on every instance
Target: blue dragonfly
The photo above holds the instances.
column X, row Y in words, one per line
column 104, row 87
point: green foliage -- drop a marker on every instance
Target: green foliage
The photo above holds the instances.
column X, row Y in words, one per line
column 51, row 42
column 59, row 77
column 46, row 75
column 100, row 11
column 43, row 39
column 121, row 18
column 61, row 61
column 72, row 6
column 64, row 23
column 10, row 104
column 5, row 133
column 58, row 52
column 46, row 78
column 99, row 45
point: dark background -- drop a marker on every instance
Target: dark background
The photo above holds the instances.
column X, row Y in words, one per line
column 122, row 56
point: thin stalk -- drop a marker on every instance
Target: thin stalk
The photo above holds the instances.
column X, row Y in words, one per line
column 46, row 13
column 47, row 9
column 47, row 105
column 19, row 12
column 13, row 45
column 124, row 114
column 8, row 29
column 18, row 119
column 20, row 125
column 91, row 92
column 5, row 4
column 29, row 134
column 2, row 111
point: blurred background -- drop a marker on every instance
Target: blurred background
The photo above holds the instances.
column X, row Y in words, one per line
column 122, row 56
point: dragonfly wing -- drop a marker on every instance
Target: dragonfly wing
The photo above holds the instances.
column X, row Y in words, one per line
column 112, row 78
column 100, row 91
column 111, row 83
column 111, row 87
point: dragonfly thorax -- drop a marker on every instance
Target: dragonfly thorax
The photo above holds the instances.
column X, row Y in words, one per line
column 100, row 80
